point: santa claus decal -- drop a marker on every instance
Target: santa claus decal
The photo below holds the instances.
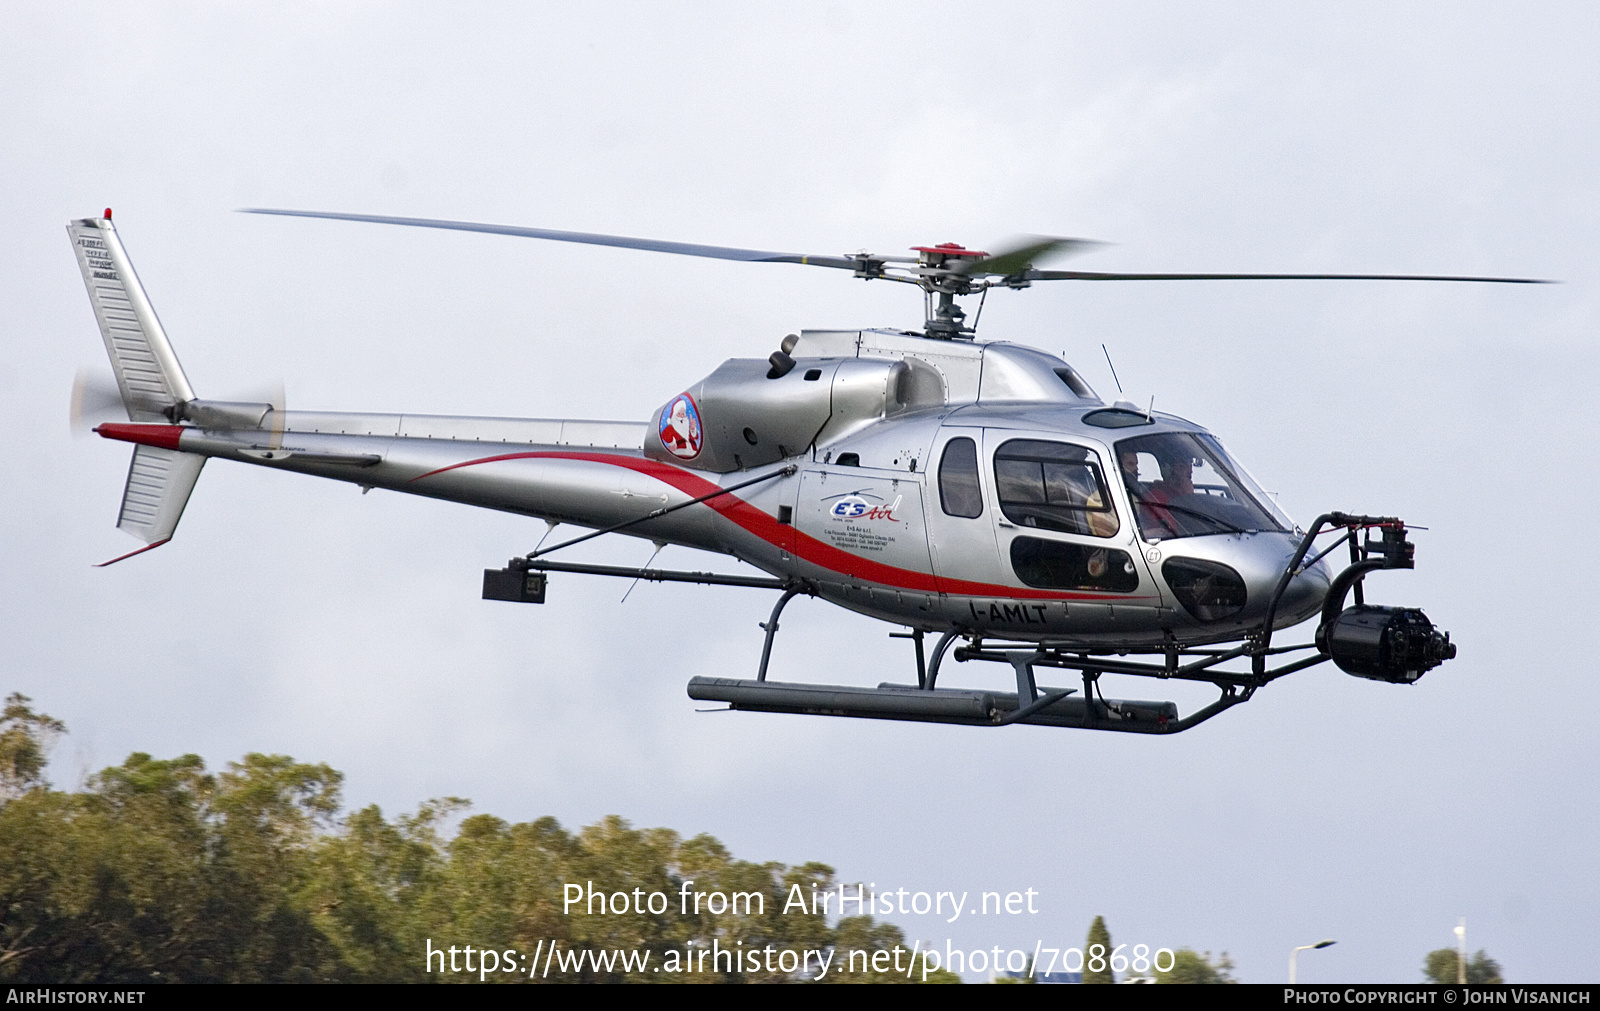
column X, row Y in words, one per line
column 679, row 428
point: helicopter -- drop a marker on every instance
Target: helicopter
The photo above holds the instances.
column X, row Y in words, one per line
column 977, row 491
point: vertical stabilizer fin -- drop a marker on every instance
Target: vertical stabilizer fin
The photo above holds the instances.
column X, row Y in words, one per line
column 159, row 483
column 148, row 374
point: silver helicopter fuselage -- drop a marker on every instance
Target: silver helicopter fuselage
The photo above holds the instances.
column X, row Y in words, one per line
column 863, row 506
column 981, row 490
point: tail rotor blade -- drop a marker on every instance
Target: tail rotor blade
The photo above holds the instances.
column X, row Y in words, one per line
column 280, row 415
column 269, row 392
column 95, row 399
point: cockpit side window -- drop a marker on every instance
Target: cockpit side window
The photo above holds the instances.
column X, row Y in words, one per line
column 1181, row 486
column 959, row 491
column 1053, row 486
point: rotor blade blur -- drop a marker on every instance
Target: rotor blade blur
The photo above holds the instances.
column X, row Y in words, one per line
column 1088, row 275
column 260, row 391
column 589, row 238
column 1020, row 253
column 270, row 392
column 95, row 399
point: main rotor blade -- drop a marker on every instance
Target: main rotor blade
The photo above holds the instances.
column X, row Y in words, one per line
column 590, row 238
column 1089, row 275
column 1020, row 253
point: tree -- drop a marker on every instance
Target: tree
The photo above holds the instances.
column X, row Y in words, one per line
column 25, row 741
column 1189, row 966
column 376, row 891
column 856, row 946
column 161, row 871
column 1442, row 965
column 1098, row 935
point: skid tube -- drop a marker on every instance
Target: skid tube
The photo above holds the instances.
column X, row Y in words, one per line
column 1031, row 703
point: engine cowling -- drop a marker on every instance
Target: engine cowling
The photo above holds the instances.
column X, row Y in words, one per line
column 748, row 413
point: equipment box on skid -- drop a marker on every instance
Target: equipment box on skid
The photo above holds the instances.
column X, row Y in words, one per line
column 520, row 586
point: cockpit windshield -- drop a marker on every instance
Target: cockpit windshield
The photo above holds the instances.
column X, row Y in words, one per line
column 1183, row 485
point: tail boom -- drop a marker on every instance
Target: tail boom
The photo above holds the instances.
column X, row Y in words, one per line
column 570, row 482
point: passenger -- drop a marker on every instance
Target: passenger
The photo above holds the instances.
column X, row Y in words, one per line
column 1177, row 478
column 1102, row 517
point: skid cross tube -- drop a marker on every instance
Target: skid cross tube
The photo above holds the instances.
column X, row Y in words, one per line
column 938, row 657
column 915, row 635
column 771, row 628
column 1198, row 670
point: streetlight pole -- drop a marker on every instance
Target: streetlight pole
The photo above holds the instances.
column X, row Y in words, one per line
column 1461, row 951
column 1295, row 955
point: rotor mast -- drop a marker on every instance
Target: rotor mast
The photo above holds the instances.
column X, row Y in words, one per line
column 940, row 275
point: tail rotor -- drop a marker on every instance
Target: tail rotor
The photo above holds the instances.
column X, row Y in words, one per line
column 95, row 400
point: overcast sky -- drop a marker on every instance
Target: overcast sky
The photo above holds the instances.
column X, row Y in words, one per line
column 300, row 617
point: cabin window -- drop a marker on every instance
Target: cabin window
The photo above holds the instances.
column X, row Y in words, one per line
column 1053, row 486
column 1183, row 485
column 1116, row 417
column 1061, row 565
column 959, row 491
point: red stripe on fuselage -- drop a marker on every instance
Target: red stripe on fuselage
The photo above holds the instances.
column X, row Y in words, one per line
column 765, row 526
column 160, row 436
column 147, row 547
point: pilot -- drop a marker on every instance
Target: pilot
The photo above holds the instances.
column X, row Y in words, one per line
column 1101, row 515
column 1128, row 460
column 1177, row 477
column 1154, row 523
column 1177, row 480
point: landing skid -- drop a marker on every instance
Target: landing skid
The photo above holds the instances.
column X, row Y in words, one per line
column 1089, row 709
column 1031, row 703
column 1379, row 643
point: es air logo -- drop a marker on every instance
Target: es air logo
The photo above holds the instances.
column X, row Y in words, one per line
column 855, row 506
column 850, row 507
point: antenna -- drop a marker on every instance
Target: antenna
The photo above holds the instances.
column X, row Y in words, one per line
column 1113, row 369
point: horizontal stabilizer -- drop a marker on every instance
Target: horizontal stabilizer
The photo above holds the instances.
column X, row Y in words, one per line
column 159, row 483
